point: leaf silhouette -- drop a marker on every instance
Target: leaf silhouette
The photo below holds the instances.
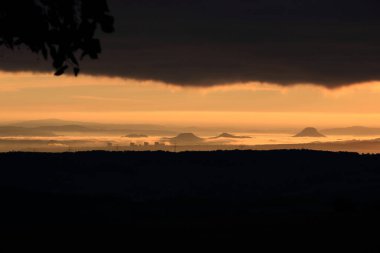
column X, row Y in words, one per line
column 56, row 29
column 61, row 70
column 76, row 71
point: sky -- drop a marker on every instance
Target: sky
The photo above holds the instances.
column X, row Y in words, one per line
column 29, row 95
column 252, row 63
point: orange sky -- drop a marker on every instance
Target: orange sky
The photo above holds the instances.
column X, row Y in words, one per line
column 25, row 96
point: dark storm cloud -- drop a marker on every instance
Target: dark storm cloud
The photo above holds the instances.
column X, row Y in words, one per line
column 207, row 42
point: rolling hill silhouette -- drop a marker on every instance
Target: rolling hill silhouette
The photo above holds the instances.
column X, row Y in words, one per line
column 186, row 139
column 67, row 128
column 48, row 123
column 354, row 130
column 62, row 126
column 6, row 131
column 136, row 136
column 230, row 136
column 309, row 132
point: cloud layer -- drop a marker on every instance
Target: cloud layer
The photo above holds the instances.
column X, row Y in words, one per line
column 208, row 42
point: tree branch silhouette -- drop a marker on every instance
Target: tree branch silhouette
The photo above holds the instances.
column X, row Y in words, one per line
column 63, row 31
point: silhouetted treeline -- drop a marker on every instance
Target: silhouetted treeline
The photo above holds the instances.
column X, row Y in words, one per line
column 219, row 194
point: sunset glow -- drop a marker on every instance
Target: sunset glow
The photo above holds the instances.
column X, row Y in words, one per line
column 36, row 96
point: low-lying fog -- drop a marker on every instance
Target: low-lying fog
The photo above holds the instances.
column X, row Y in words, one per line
column 55, row 135
column 84, row 142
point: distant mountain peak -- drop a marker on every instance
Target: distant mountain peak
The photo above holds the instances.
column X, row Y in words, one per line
column 230, row 136
column 309, row 132
column 226, row 135
column 186, row 138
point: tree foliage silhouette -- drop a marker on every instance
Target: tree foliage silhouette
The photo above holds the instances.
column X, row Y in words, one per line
column 60, row 30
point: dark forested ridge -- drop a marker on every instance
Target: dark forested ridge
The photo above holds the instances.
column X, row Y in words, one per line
column 227, row 191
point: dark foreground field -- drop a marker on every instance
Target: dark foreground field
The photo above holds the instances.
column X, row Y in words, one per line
column 296, row 197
